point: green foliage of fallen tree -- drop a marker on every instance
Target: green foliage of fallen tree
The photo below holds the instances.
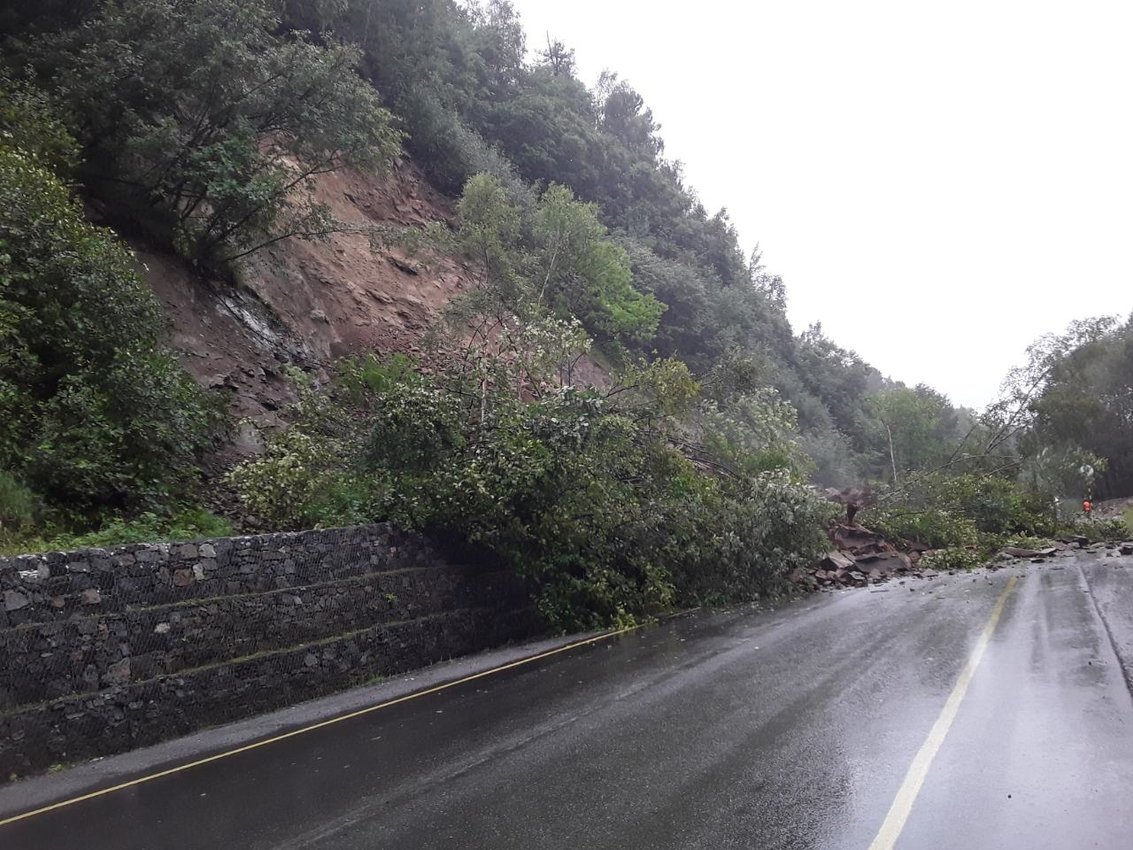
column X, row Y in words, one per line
column 981, row 511
column 596, row 496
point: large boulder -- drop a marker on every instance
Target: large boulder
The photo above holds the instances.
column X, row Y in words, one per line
column 836, row 561
column 885, row 563
column 1021, row 552
column 858, row 540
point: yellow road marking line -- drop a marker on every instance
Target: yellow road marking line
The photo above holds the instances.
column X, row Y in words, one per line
column 907, row 794
column 321, row 724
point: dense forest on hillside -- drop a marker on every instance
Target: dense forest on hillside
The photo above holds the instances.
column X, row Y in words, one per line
column 199, row 126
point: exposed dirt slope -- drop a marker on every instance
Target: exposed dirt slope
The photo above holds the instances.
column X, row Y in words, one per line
column 308, row 302
column 342, row 297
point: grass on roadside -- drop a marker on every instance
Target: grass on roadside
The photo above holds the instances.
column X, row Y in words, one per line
column 188, row 524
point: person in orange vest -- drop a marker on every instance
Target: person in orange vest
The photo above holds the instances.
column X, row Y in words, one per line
column 1087, row 506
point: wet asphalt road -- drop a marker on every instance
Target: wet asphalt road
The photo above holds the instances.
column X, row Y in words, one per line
column 789, row 729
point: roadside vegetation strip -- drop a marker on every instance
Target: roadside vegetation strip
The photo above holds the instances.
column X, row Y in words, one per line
column 907, row 794
column 444, row 686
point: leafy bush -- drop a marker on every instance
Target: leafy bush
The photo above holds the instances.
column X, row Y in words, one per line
column 996, row 504
column 30, row 123
column 299, row 483
column 943, row 510
column 310, row 473
column 207, row 121
column 1100, row 529
column 558, row 255
column 747, row 537
column 933, row 527
column 449, row 151
column 96, row 416
column 18, row 504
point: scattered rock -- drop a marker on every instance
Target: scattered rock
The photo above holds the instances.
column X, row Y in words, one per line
column 886, row 562
column 1018, row 552
column 118, row 673
column 14, row 600
column 837, row 561
column 403, row 266
column 91, row 596
column 1126, row 548
column 858, row 540
column 861, row 557
column 182, row 578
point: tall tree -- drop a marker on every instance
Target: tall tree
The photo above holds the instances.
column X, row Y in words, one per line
column 199, row 117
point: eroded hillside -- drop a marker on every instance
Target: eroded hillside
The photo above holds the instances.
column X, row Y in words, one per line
column 307, row 302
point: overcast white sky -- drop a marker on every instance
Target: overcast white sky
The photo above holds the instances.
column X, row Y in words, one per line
column 937, row 183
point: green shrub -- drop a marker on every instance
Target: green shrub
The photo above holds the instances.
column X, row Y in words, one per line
column 744, row 538
column 933, row 527
column 299, row 483
column 1098, row 530
column 205, row 120
column 996, row 505
column 1024, row 541
column 18, row 504
column 30, row 123
column 96, row 415
column 942, row 510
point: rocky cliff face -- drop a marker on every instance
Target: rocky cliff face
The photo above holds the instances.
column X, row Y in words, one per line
column 307, row 302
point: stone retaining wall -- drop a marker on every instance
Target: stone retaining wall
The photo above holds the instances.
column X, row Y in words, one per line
column 55, row 586
column 106, row 650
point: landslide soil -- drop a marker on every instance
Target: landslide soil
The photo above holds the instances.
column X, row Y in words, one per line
column 307, row 302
